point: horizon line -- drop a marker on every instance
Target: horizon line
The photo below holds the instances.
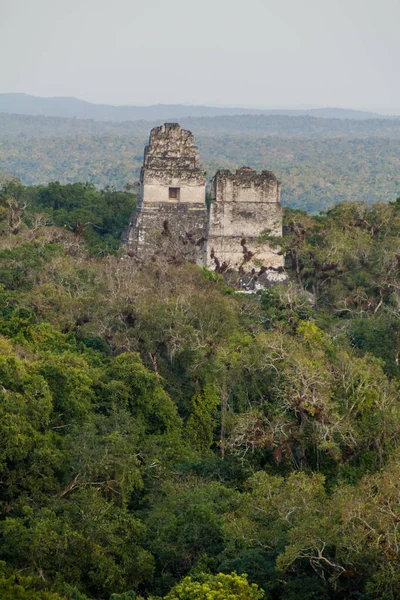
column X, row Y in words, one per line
column 299, row 107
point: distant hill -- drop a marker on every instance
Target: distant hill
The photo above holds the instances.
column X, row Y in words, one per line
column 254, row 126
column 74, row 108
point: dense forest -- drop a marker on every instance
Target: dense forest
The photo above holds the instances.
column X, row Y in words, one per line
column 319, row 161
column 164, row 436
column 239, row 125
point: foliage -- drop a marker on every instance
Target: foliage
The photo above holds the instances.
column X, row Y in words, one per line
column 20, row 587
column 216, row 587
column 159, row 431
column 100, row 217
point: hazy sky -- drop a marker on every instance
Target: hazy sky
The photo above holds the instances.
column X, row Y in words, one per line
column 264, row 53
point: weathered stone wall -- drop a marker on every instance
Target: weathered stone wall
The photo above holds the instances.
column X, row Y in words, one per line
column 171, row 208
column 243, row 205
column 175, row 231
column 171, row 217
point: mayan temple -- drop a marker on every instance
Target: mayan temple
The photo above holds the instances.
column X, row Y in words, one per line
column 172, row 216
column 172, row 197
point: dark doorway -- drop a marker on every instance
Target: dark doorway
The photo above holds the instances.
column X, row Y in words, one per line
column 174, row 193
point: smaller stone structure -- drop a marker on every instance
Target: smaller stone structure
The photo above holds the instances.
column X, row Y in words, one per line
column 243, row 205
column 171, row 205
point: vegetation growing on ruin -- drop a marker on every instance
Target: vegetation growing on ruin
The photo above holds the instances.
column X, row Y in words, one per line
column 162, row 436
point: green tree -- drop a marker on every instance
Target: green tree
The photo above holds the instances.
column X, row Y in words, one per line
column 216, row 587
column 202, row 421
column 86, row 541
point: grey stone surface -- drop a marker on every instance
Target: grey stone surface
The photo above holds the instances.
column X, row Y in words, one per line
column 171, row 211
column 171, row 215
column 243, row 205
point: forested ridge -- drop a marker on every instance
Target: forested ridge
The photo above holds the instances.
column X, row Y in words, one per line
column 163, row 436
column 320, row 161
column 75, row 108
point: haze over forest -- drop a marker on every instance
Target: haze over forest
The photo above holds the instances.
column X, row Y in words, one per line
column 264, row 54
column 74, row 108
column 321, row 156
